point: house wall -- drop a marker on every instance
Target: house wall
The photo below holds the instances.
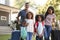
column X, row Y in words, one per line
column 4, row 21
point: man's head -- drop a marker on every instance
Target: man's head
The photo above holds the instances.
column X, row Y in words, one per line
column 26, row 6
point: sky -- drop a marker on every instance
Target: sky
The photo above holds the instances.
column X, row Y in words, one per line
column 11, row 2
column 37, row 2
column 40, row 2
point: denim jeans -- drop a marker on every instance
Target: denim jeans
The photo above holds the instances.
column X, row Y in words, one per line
column 38, row 38
column 47, row 32
column 29, row 35
column 15, row 35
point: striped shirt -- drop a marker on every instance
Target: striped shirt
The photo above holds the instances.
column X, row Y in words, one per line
column 49, row 18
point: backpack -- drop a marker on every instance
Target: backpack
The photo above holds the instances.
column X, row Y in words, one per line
column 36, row 26
column 23, row 32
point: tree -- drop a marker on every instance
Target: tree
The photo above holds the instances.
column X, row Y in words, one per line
column 19, row 3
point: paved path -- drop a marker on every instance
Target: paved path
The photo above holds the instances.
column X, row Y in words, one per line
column 5, row 30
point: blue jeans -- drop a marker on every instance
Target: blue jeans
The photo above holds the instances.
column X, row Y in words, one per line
column 29, row 35
column 47, row 32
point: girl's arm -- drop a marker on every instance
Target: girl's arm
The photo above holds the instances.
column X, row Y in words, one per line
column 54, row 18
column 35, row 27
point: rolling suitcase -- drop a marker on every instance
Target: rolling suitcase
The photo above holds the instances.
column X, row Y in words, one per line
column 15, row 35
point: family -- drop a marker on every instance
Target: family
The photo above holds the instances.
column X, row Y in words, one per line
column 41, row 27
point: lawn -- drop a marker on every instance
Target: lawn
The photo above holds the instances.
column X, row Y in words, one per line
column 5, row 37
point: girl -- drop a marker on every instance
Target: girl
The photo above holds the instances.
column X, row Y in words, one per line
column 30, row 28
column 39, row 27
column 49, row 16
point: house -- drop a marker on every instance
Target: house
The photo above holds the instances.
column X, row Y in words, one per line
column 6, row 12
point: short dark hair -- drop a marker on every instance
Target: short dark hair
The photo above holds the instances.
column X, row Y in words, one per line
column 42, row 17
column 31, row 14
column 27, row 3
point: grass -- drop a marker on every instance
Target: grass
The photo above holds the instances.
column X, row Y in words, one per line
column 5, row 37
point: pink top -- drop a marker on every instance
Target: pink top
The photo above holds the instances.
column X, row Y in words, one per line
column 48, row 20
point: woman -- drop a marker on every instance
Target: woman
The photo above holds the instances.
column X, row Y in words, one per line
column 49, row 17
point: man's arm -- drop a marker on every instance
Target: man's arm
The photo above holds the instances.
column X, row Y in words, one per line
column 18, row 17
column 19, row 14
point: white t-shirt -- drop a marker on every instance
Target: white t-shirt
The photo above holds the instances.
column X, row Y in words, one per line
column 40, row 28
column 30, row 27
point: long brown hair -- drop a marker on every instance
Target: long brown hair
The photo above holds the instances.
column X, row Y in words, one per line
column 50, row 7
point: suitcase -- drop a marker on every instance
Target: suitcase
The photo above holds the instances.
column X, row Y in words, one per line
column 55, row 35
column 15, row 35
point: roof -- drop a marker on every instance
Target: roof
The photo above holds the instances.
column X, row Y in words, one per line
column 8, row 8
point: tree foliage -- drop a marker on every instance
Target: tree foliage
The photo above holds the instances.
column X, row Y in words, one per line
column 19, row 3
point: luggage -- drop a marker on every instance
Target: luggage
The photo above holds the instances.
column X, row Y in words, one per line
column 15, row 35
column 23, row 32
column 55, row 35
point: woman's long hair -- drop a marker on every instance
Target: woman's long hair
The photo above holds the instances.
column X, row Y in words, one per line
column 50, row 7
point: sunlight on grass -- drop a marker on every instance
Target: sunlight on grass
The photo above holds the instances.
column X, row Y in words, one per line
column 5, row 37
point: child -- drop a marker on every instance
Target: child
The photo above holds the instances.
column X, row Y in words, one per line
column 30, row 28
column 23, row 30
column 39, row 26
column 49, row 16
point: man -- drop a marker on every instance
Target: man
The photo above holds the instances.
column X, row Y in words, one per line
column 23, row 12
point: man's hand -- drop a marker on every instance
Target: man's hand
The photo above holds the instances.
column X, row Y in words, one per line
column 19, row 22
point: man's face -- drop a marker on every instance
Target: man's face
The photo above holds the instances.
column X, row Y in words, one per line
column 26, row 6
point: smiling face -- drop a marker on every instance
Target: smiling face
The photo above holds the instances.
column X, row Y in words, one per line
column 26, row 6
column 29, row 15
column 39, row 18
column 50, row 11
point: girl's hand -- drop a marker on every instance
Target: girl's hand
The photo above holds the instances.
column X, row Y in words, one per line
column 26, row 24
column 33, row 34
column 41, row 35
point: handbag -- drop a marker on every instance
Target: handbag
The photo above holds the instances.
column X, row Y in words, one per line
column 23, row 32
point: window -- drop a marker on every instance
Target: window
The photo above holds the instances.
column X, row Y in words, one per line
column 6, row 2
column 2, row 1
